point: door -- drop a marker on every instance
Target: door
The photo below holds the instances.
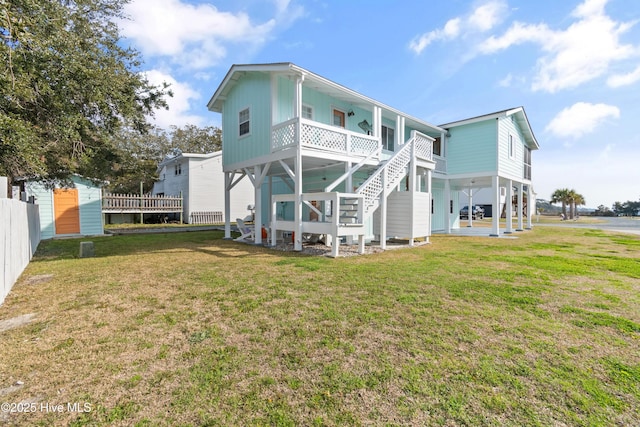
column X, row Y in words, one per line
column 66, row 210
column 338, row 118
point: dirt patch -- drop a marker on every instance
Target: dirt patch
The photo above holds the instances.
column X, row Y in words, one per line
column 16, row 322
column 39, row 278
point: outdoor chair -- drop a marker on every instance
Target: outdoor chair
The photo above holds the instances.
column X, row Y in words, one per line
column 246, row 231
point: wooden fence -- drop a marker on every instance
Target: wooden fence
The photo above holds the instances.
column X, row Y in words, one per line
column 208, row 217
column 19, row 238
column 140, row 203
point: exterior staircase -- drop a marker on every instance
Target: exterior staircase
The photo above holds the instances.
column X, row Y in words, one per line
column 387, row 176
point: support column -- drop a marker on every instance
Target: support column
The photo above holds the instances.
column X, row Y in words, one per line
column 383, row 211
column 257, row 191
column 520, row 206
column 495, row 216
column 447, row 208
column 428, row 184
column 273, row 213
column 227, row 205
column 531, row 206
column 508, row 208
column 470, row 211
column 412, row 194
column 297, row 244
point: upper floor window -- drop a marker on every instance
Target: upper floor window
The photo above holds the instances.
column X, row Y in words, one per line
column 338, row 118
column 512, row 147
column 244, row 120
column 527, row 163
column 178, row 169
column 388, row 136
column 437, row 147
column 307, row 112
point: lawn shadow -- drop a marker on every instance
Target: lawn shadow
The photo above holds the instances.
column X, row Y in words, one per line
column 207, row 242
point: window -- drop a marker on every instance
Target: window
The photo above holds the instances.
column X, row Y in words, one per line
column 244, row 121
column 178, row 169
column 338, row 118
column 388, row 136
column 437, row 147
column 527, row 163
column 307, row 112
column 512, row 147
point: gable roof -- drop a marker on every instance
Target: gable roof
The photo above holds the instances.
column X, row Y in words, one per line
column 187, row 156
column 313, row 80
column 518, row 114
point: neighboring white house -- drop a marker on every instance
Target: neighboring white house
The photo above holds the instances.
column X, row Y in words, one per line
column 200, row 181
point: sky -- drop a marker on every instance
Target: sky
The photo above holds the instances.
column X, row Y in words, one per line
column 574, row 65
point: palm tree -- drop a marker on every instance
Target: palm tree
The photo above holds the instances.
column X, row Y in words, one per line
column 561, row 196
column 575, row 200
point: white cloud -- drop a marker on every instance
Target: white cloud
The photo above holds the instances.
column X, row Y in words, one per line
column 481, row 19
column 196, row 36
column 179, row 104
column 506, row 82
column 487, row 16
column 581, row 119
column 618, row 80
column 576, row 55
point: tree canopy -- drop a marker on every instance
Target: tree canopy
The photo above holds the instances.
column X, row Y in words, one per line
column 67, row 87
column 138, row 154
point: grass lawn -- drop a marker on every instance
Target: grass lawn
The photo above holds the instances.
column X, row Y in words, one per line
column 190, row 329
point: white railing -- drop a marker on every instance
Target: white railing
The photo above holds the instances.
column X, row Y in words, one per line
column 323, row 137
column 423, row 145
column 387, row 176
column 441, row 164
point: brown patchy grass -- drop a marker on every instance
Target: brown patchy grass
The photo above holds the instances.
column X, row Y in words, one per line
column 189, row 329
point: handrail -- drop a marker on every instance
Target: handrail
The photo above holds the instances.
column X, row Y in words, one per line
column 353, row 170
column 374, row 185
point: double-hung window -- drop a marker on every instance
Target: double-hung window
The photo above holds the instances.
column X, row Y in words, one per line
column 388, row 135
column 244, row 121
column 307, row 112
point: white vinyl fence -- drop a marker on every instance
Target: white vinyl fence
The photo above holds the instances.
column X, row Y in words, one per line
column 19, row 238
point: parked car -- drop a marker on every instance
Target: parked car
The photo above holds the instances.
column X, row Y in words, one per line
column 476, row 213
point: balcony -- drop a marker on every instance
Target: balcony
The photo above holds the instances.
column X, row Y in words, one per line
column 325, row 138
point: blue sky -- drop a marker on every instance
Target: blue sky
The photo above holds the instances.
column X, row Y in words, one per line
column 574, row 65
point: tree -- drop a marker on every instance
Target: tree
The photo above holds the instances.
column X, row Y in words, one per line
column 602, row 210
column 139, row 154
column 561, row 196
column 193, row 139
column 574, row 199
column 66, row 87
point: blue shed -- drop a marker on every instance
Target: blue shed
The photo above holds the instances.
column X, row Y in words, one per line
column 69, row 211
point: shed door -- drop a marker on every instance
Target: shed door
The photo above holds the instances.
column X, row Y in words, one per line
column 67, row 211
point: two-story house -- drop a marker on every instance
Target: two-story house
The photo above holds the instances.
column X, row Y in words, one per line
column 324, row 159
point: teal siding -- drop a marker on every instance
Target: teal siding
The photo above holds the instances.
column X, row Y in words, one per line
column 253, row 92
column 89, row 201
column 472, row 148
column 437, row 218
column 44, row 199
column 510, row 166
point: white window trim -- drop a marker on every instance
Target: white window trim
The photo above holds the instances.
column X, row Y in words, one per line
column 310, row 107
column 394, row 141
column 248, row 133
column 511, row 146
column 343, row 112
